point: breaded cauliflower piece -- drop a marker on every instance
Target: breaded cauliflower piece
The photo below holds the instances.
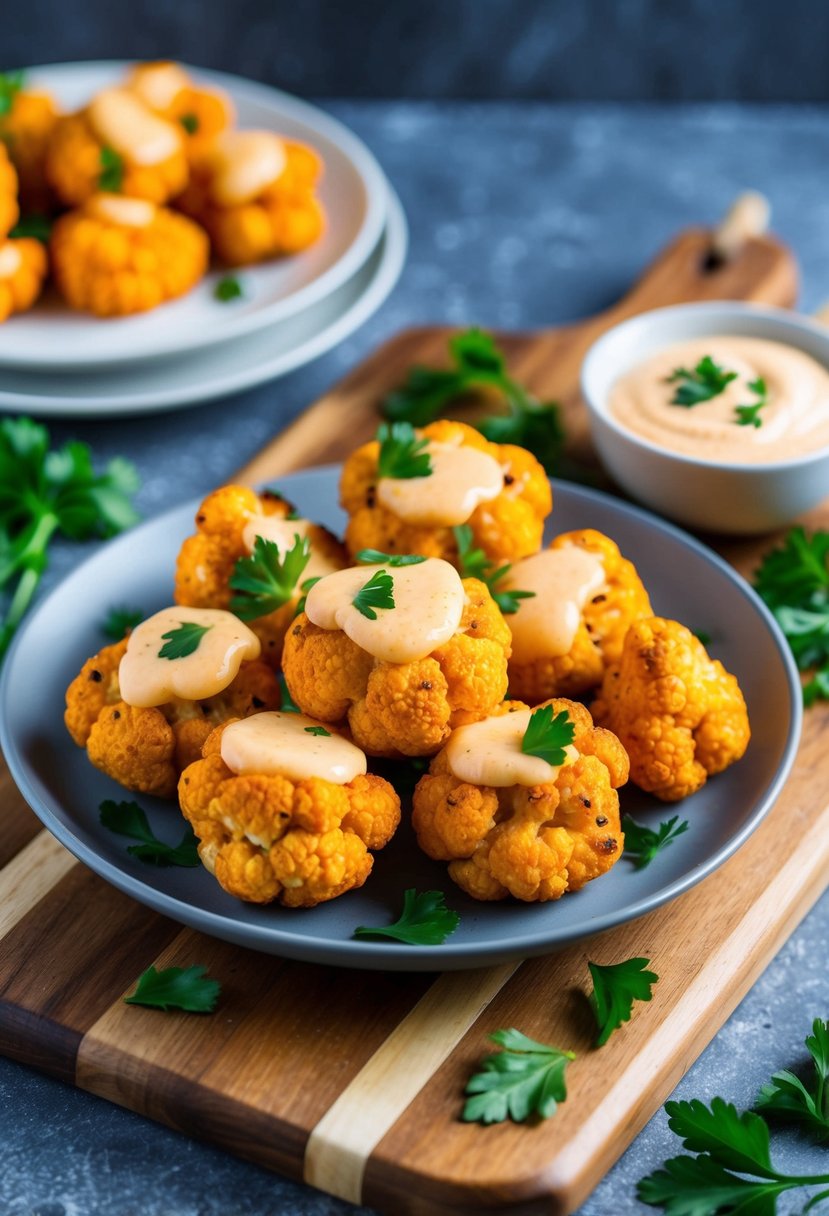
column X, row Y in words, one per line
column 401, row 708
column 532, row 842
column 267, row 837
column 168, row 90
column 506, row 528
column 601, row 632
column 9, row 209
column 23, row 268
column 207, row 559
column 680, row 715
column 146, row 749
column 25, row 130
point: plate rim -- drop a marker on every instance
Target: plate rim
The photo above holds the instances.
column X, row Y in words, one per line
column 374, row 955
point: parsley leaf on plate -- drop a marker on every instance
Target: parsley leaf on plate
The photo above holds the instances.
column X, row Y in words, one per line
column 228, row 288
column 373, row 557
column 120, row 621
column 187, row 988
column 793, row 580
column 474, row 563
column 267, row 579
column 749, row 415
column 705, row 381
column 402, row 454
column 526, row 1078
column 642, row 843
column 128, row 819
column 787, row 1097
column 615, row 987
column 548, row 734
column 378, row 592
column 424, row 921
column 182, row 641
column 111, row 176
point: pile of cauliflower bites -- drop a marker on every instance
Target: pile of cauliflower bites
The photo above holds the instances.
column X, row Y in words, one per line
column 138, row 188
column 401, row 642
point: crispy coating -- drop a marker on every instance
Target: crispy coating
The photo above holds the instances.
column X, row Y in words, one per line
column 146, row 749
column 534, row 843
column 25, row 129
column 114, row 270
column 601, row 632
column 401, row 708
column 680, row 715
column 506, row 529
column 9, row 210
column 268, row 837
column 201, row 113
column 206, row 560
column 20, row 289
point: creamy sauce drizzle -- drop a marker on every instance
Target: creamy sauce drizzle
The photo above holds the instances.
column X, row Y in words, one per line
column 146, row 680
column 429, row 600
column 126, row 212
column 122, row 121
column 244, row 164
column 283, row 533
column 563, row 581
column 794, row 422
column 10, row 259
column 489, row 753
column 461, row 479
column 279, row 744
column 159, row 84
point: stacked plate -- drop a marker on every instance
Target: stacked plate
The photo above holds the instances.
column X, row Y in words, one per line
column 57, row 362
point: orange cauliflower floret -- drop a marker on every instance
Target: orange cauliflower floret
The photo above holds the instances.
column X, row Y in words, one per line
column 532, row 842
column 146, row 749
column 506, row 528
column 25, row 129
column 23, row 267
column 680, row 715
column 116, row 256
column 267, row 837
column 207, row 560
column 401, row 708
column 9, row 210
column 169, row 91
column 598, row 642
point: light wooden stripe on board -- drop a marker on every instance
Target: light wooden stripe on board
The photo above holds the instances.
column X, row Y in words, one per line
column 346, row 1135
column 30, row 876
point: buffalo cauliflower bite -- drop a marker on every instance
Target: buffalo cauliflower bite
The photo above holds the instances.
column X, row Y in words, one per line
column 505, row 528
column 207, row 559
column 9, row 209
column 25, row 129
column 604, row 621
column 168, row 90
column 268, row 837
column 23, row 267
column 533, row 842
column 680, row 715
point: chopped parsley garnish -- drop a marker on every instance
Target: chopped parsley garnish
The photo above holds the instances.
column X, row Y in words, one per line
column 111, row 176
column 228, row 288
column 548, row 735
column 128, row 819
column 526, row 1078
column 287, row 705
column 120, row 621
column 474, row 563
column 266, row 579
column 373, row 557
column 190, row 122
column 37, row 226
column 804, row 1102
column 182, row 641
column 615, row 988
column 793, row 580
column 707, row 380
column 187, row 988
column 10, row 85
column 642, row 844
column 402, row 454
column 318, row 730
column 378, row 592
column 305, row 587
column 749, row 415
column 424, row 921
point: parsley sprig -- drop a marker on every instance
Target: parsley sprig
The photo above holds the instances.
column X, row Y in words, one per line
column 699, row 384
column 10, row 85
column 793, row 580
column 805, row 1102
column 402, row 454
column 187, row 988
column 424, row 921
column 182, row 641
column 228, row 288
column 129, row 819
column 378, row 592
column 120, row 621
column 111, row 175
column 749, row 415
column 526, row 1078
column 642, row 843
column 548, row 734
column 266, row 579
column 474, row 563
column 373, row 557
column 46, row 491
column 615, row 987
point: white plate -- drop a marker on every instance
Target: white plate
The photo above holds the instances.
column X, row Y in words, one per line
column 353, row 192
column 192, row 380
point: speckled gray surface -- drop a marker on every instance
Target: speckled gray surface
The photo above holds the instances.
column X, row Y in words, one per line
column 520, row 216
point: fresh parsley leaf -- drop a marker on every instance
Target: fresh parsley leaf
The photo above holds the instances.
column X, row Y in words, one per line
column 702, row 636
column 526, row 1078
column 305, row 587
column 478, row 365
column 402, row 455
column 111, row 176
column 373, row 557
column 793, row 580
column 787, row 1097
column 120, row 621
column 187, row 988
column 182, row 641
column 378, row 592
column 749, row 415
column 37, row 226
column 615, row 987
column 424, row 921
column 705, row 381
column 128, row 819
column 548, row 734
column 288, row 705
column 642, row 843
column 10, row 85
column 474, row 563
column 318, row 730
column 190, row 122
column 228, row 288
column 266, row 580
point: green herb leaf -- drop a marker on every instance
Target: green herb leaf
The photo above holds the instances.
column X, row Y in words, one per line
column 111, row 177
column 305, row 587
column 749, row 415
column 187, row 988
column 474, row 563
column 702, row 636
column 615, row 987
column 128, row 819
column 807, row 1103
column 190, row 122
column 266, row 580
column 182, row 641
column 526, row 1078
column 707, row 380
column 318, row 730
column 793, row 580
column 642, row 844
column 287, row 705
column 402, row 454
column 228, row 288
column 373, row 557
column 378, row 592
column 37, row 226
column 10, row 85
column 120, row 621
column 548, row 734
column 424, row 921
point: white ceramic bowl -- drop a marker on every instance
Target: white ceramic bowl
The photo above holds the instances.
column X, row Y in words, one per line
column 715, row 496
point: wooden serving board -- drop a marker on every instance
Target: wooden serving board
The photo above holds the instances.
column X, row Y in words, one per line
column 353, row 1080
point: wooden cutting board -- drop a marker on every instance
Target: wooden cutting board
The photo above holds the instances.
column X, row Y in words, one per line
column 353, row 1080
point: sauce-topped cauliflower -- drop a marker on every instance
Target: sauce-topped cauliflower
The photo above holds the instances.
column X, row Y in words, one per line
column 130, row 708
column 168, row 90
column 499, row 491
column 680, row 715
column 402, row 653
column 269, row 827
column 228, row 523
column 513, row 823
column 23, row 268
column 25, row 130
column 585, row 595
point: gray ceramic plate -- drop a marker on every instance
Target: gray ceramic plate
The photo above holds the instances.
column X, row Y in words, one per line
column 686, row 581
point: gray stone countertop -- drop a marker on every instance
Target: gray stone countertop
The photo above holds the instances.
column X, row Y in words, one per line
column 521, row 216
